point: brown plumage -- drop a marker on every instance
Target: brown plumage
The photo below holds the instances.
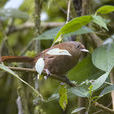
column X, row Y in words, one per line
column 56, row 64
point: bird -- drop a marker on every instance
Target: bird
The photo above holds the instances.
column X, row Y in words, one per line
column 55, row 64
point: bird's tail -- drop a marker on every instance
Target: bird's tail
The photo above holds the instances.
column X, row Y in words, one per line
column 16, row 59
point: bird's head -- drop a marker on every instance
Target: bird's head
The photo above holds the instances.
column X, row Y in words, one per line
column 81, row 47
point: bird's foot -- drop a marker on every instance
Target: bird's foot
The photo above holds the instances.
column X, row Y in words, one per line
column 48, row 74
column 66, row 80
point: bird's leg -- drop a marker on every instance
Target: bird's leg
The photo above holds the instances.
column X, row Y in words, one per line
column 63, row 78
column 48, row 73
column 66, row 80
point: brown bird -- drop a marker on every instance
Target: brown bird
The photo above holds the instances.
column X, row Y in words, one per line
column 54, row 64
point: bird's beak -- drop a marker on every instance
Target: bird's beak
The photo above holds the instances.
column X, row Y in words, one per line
column 84, row 50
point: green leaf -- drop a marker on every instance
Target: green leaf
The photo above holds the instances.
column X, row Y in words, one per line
column 100, row 81
column 57, row 51
column 53, row 97
column 100, row 21
column 74, row 25
column 31, row 53
column 103, row 57
column 39, row 66
column 84, row 70
column 5, row 68
column 105, row 9
column 109, row 40
column 51, row 34
column 107, row 90
column 83, row 30
column 79, row 91
column 78, row 109
column 63, row 97
column 13, row 13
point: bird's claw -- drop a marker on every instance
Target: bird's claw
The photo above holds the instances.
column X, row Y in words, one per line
column 48, row 74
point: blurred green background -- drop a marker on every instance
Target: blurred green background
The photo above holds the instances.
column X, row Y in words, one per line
column 17, row 31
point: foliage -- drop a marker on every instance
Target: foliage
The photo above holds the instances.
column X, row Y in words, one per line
column 84, row 70
column 107, row 90
column 100, row 21
column 5, row 68
column 13, row 13
column 51, row 34
column 63, row 97
column 106, row 52
column 78, row 109
column 91, row 73
column 31, row 53
column 79, row 91
column 73, row 25
column 100, row 81
column 105, row 9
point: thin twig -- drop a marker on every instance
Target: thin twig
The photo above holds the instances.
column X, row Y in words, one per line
column 60, row 78
column 68, row 11
column 112, row 82
column 97, row 41
column 22, row 69
column 103, row 107
column 30, row 25
column 85, row 7
column 98, row 111
column 37, row 21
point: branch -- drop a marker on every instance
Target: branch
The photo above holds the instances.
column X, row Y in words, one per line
column 112, row 82
column 29, row 25
column 53, row 76
column 22, row 102
column 97, row 41
column 22, row 69
column 85, row 7
column 103, row 107
column 37, row 22
column 68, row 11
